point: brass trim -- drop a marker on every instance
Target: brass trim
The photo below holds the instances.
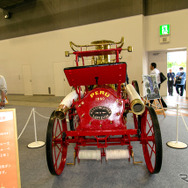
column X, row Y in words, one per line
column 60, row 113
column 137, row 101
column 74, row 162
column 97, row 43
column 135, row 162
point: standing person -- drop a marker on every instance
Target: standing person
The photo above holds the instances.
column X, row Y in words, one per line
column 180, row 81
column 170, row 82
column 155, row 71
column 3, row 91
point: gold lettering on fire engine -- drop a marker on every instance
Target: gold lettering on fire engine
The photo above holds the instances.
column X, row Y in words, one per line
column 96, row 93
column 107, row 95
column 103, row 93
column 91, row 95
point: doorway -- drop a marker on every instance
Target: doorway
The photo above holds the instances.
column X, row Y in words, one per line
column 175, row 60
column 27, row 79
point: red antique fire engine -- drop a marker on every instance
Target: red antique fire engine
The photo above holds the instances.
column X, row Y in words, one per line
column 97, row 110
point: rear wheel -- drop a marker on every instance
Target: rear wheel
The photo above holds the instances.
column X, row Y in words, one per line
column 137, row 122
column 151, row 140
column 135, row 85
column 56, row 146
column 73, row 119
column 137, row 118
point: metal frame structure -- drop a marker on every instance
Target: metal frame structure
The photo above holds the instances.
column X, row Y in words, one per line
column 97, row 117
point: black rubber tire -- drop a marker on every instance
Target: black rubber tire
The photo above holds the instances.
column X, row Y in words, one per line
column 73, row 119
column 154, row 164
column 51, row 147
column 137, row 123
column 135, row 84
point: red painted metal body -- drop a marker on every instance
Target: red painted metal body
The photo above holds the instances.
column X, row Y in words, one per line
column 96, row 74
column 99, row 115
column 101, row 109
column 116, row 51
column 100, row 112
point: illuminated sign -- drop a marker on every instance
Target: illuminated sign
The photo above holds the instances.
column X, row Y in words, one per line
column 165, row 29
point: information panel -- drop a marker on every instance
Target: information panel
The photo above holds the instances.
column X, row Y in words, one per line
column 9, row 160
column 151, row 87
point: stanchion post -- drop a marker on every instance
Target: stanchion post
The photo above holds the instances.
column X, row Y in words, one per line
column 176, row 144
column 177, row 116
column 36, row 144
column 34, row 120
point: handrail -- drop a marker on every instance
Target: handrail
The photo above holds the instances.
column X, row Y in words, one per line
column 121, row 42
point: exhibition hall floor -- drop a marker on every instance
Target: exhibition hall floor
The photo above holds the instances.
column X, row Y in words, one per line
column 89, row 174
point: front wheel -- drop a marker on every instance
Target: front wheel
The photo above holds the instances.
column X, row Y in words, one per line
column 151, row 140
column 137, row 122
column 56, row 146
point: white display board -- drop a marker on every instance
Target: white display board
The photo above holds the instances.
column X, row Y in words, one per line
column 151, row 87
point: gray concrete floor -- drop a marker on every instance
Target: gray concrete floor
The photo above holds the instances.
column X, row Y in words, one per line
column 38, row 100
column 90, row 174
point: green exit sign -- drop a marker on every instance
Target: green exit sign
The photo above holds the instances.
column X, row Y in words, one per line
column 165, row 29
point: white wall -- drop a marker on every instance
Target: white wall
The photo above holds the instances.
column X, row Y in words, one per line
column 41, row 51
column 178, row 25
column 178, row 36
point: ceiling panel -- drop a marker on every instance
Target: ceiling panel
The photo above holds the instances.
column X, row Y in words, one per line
column 9, row 3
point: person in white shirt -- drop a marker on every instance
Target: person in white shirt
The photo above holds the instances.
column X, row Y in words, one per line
column 3, row 91
column 155, row 71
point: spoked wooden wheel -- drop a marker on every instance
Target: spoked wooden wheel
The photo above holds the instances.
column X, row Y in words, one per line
column 151, row 140
column 74, row 120
column 136, row 118
column 135, row 85
column 56, row 146
column 137, row 121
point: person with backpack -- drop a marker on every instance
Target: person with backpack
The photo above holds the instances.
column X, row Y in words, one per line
column 180, row 81
column 156, row 72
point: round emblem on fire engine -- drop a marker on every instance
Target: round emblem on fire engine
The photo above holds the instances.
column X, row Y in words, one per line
column 100, row 112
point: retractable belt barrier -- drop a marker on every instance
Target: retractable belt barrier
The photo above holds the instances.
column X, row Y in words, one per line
column 36, row 143
column 176, row 144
